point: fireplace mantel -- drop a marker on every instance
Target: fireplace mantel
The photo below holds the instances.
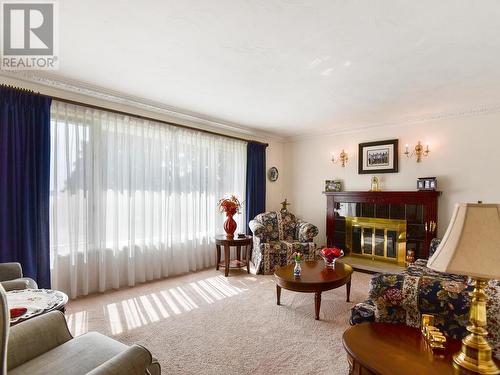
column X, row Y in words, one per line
column 382, row 196
column 419, row 208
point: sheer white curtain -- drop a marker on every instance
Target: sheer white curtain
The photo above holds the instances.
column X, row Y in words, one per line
column 134, row 200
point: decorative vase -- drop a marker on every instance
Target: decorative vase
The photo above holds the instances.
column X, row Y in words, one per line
column 230, row 225
column 297, row 270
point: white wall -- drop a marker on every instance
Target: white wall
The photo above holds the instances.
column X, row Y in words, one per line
column 275, row 191
column 465, row 156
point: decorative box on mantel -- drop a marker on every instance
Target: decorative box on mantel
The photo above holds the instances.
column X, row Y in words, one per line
column 382, row 225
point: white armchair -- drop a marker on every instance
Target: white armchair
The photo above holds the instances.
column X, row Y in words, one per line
column 11, row 277
column 44, row 345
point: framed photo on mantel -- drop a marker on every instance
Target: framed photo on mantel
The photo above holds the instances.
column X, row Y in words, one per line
column 378, row 157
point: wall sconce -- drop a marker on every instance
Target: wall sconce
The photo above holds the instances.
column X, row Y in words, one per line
column 343, row 158
column 418, row 152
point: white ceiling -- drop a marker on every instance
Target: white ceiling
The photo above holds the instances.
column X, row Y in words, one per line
column 289, row 67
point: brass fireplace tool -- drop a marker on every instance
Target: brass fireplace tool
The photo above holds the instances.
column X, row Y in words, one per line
column 433, row 336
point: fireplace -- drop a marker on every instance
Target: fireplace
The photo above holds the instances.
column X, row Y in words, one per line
column 378, row 228
column 376, row 239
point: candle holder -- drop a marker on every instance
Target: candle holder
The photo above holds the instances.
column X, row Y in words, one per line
column 433, row 336
column 342, row 159
column 418, row 151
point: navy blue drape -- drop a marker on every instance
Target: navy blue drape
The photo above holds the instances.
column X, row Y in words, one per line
column 25, row 182
column 256, row 180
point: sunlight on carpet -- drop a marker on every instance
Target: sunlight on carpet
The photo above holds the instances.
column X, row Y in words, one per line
column 132, row 313
column 205, row 323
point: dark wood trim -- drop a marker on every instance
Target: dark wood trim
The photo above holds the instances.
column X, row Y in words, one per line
column 107, row 109
column 395, row 169
column 365, row 196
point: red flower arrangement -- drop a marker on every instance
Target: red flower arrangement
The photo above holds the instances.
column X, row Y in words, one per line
column 231, row 206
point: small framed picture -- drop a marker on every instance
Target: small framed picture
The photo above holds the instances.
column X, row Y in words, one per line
column 333, row 185
column 378, row 157
column 427, row 183
column 273, row 174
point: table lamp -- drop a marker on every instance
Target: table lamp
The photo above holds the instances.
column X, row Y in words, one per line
column 471, row 246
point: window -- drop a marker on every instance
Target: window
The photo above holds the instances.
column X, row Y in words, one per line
column 134, row 200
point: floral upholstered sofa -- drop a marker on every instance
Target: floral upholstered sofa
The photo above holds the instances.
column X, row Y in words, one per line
column 276, row 236
column 403, row 297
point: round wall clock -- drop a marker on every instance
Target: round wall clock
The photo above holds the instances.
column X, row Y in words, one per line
column 273, row 174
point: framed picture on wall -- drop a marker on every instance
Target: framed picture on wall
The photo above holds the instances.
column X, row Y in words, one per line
column 378, row 157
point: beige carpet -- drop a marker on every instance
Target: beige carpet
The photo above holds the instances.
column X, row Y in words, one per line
column 204, row 323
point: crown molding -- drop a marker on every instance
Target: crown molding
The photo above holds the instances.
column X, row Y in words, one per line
column 210, row 123
column 100, row 93
column 479, row 110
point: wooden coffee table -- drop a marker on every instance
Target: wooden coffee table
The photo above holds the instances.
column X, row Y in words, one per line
column 315, row 278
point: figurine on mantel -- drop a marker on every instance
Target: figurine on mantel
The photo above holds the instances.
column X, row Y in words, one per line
column 284, row 204
column 375, row 184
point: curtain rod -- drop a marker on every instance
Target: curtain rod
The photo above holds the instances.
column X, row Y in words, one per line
column 92, row 106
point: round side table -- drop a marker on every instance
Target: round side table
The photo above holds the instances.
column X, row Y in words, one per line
column 396, row 349
column 226, row 243
column 36, row 301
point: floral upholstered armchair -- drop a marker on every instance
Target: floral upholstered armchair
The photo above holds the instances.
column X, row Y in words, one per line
column 402, row 298
column 276, row 236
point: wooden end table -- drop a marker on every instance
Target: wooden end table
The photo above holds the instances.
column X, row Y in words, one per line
column 395, row 349
column 315, row 278
column 226, row 243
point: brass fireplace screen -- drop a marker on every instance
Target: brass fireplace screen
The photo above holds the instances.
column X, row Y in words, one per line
column 378, row 239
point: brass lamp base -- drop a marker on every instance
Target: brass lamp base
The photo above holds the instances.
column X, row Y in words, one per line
column 475, row 355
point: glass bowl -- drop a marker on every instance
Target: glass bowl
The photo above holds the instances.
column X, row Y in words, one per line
column 329, row 257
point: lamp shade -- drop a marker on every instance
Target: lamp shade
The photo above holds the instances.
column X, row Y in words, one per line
column 471, row 245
